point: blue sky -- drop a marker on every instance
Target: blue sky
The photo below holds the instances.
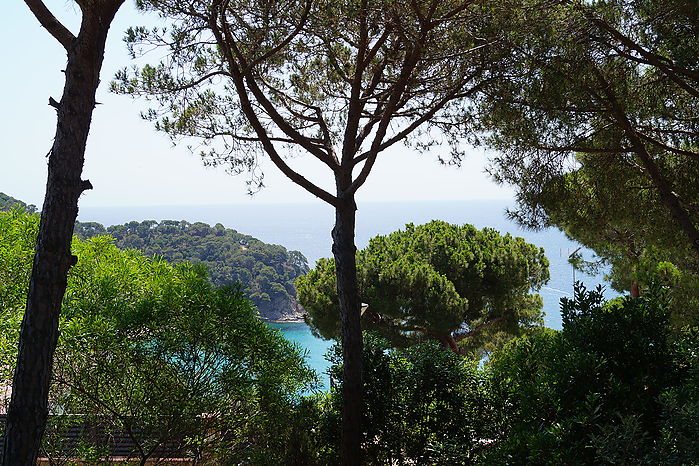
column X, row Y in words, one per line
column 129, row 163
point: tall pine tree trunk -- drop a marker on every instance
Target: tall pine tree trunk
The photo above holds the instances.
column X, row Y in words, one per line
column 28, row 410
column 344, row 252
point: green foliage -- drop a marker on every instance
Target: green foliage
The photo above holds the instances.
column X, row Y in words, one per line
column 436, row 281
column 314, row 433
column 581, row 78
column 157, row 351
column 266, row 271
column 422, row 405
column 598, row 392
column 18, row 231
column 679, row 440
column 599, row 134
column 615, row 386
column 600, row 206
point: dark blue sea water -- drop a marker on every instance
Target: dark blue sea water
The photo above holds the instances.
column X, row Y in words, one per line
column 306, row 228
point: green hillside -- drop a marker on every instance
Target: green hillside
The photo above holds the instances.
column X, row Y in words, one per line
column 267, row 271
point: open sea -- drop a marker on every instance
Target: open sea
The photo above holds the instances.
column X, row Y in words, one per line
column 306, row 228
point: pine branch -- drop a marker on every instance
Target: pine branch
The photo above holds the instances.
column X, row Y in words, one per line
column 51, row 24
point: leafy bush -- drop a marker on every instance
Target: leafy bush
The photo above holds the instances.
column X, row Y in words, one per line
column 679, row 429
column 601, row 391
column 423, row 405
column 155, row 352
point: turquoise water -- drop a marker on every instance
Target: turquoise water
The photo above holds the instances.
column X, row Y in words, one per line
column 298, row 332
column 306, row 228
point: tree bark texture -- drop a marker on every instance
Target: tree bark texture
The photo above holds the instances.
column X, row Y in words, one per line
column 28, row 410
column 344, row 252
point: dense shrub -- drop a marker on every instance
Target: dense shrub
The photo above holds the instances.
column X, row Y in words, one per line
column 607, row 389
column 156, row 353
column 423, row 405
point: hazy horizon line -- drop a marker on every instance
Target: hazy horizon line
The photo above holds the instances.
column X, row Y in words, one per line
column 305, row 203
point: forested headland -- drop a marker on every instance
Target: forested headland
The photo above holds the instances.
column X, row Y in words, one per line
column 266, row 272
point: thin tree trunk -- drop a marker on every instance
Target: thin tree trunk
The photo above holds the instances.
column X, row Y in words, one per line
column 635, row 290
column 344, row 252
column 28, row 408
